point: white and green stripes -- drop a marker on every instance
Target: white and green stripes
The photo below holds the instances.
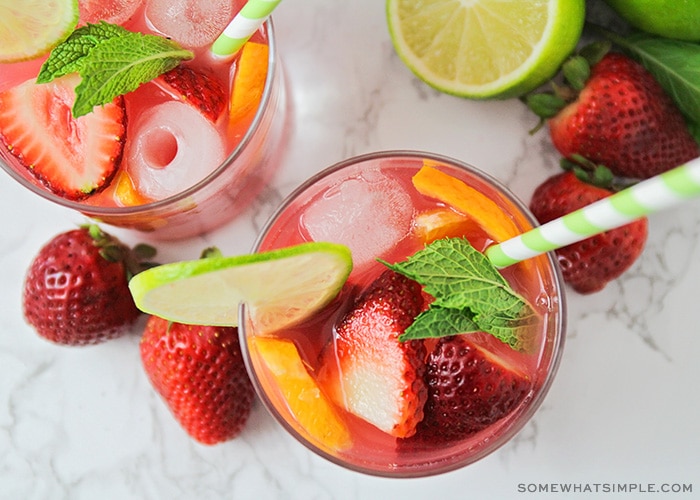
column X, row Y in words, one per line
column 253, row 14
column 639, row 200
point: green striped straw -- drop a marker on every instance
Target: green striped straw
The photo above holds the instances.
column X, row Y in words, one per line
column 641, row 199
column 248, row 20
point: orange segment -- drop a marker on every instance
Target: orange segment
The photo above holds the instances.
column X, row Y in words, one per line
column 313, row 412
column 125, row 193
column 249, row 82
column 431, row 182
column 439, row 223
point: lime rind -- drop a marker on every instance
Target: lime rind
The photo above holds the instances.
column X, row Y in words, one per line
column 432, row 40
column 31, row 28
column 280, row 287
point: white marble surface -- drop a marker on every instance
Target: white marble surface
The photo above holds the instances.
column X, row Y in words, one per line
column 84, row 423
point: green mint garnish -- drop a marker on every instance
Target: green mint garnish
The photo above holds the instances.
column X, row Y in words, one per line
column 470, row 295
column 111, row 61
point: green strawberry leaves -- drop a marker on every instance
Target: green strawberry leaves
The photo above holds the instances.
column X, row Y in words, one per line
column 111, row 61
column 470, row 295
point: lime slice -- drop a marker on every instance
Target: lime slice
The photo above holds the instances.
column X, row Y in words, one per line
column 280, row 287
column 30, row 28
column 485, row 48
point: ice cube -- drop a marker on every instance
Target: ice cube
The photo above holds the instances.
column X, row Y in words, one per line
column 368, row 213
column 111, row 11
column 172, row 147
column 192, row 23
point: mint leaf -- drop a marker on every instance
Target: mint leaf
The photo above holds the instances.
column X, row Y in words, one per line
column 68, row 56
column 470, row 295
column 120, row 65
column 436, row 321
column 111, row 60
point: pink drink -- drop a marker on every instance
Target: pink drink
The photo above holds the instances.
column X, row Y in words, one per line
column 337, row 192
column 219, row 163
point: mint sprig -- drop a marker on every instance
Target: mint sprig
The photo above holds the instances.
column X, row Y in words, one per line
column 470, row 295
column 111, row 61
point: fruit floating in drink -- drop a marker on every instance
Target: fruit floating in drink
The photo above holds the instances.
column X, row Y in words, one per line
column 429, row 358
column 145, row 129
column 374, row 328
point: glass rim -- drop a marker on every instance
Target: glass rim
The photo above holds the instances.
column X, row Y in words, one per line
column 516, row 421
column 98, row 210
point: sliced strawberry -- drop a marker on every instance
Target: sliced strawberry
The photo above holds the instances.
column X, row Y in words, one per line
column 202, row 90
column 72, row 157
column 367, row 370
column 470, row 388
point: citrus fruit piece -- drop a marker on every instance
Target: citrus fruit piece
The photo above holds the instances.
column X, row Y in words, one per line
column 316, row 416
column 465, row 199
column 280, row 287
column 439, row 223
column 249, row 82
column 485, row 48
column 31, row 28
column 667, row 18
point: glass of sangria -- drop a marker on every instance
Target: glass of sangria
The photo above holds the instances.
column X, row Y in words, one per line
column 182, row 154
column 344, row 383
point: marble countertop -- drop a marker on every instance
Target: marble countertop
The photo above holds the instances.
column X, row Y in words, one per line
column 83, row 423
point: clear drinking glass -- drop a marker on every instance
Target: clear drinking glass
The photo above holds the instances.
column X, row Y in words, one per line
column 370, row 202
column 215, row 199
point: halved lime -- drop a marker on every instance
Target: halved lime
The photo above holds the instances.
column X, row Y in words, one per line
column 279, row 287
column 30, row 28
column 485, row 48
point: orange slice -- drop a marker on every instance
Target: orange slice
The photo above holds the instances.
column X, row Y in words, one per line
column 249, row 82
column 434, row 183
column 313, row 412
column 439, row 223
column 125, row 193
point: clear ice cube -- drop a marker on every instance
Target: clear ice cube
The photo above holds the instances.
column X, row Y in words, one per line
column 192, row 23
column 368, row 213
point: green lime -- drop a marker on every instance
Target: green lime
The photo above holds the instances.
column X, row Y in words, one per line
column 484, row 49
column 678, row 19
column 279, row 287
column 31, row 28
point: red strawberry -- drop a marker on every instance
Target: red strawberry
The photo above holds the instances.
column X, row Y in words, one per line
column 201, row 90
column 368, row 371
column 624, row 120
column 75, row 291
column 199, row 372
column 73, row 157
column 589, row 264
column 469, row 388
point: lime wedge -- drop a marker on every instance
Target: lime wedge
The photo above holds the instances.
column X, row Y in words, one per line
column 280, row 287
column 485, row 48
column 31, row 28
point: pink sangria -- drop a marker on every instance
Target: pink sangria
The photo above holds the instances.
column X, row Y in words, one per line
column 177, row 156
column 393, row 378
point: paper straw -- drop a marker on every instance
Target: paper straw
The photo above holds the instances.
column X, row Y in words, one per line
column 641, row 199
column 248, row 20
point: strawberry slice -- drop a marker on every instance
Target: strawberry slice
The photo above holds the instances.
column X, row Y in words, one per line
column 201, row 90
column 72, row 157
column 369, row 372
column 470, row 388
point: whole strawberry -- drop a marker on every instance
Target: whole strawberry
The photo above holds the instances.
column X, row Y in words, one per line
column 75, row 291
column 200, row 374
column 469, row 389
column 621, row 118
column 589, row 264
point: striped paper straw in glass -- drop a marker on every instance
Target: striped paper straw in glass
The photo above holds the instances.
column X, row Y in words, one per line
column 248, row 20
column 623, row 207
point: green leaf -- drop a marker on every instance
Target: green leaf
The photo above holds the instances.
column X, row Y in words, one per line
column 68, row 57
column 675, row 64
column 470, row 294
column 120, row 65
column 440, row 322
